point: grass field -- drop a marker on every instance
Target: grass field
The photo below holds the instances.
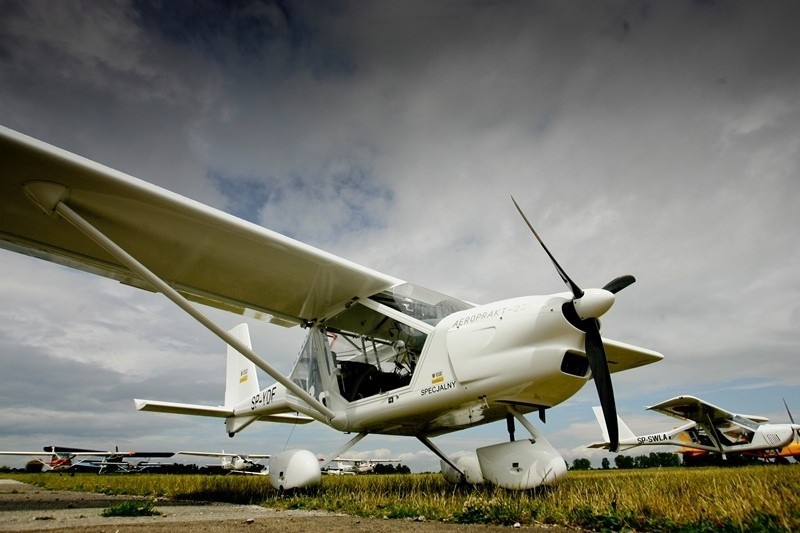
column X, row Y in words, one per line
column 754, row 498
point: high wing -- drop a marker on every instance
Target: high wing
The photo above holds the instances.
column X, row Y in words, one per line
column 32, row 454
column 79, row 452
column 203, row 253
column 224, row 454
column 145, row 454
column 700, row 411
column 349, row 460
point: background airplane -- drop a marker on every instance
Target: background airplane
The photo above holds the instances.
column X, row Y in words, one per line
column 709, row 429
column 341, row 465
column 51, row 460
column 62, row 458
column 234, row 462
column 692, row 456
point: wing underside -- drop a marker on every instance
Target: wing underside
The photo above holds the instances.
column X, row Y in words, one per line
column 691, row 408
column 622, row 356
column 207, row 255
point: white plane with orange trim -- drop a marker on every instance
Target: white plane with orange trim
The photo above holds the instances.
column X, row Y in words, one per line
column 707, row 428
column 381, row 355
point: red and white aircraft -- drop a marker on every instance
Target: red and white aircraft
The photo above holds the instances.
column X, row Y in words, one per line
column 381, row 355
column 61, row 458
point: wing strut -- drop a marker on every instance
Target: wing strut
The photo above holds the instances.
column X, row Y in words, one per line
column 349, row 444
column 49, row 196
column 714, row 433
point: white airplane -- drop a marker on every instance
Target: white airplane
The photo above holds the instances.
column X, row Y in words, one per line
column 234, row 462
column 709, row 428
column 380, row 356
column 342, row 466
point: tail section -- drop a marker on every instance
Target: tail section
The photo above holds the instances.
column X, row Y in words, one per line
column 627, row 439
column 625, row 433
column 241, row 382
column 245, row 403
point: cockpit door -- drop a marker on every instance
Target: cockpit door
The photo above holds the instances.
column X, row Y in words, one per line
column 314, row 369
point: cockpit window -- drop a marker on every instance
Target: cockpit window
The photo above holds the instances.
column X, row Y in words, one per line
column 745, row 422
column 418, row 302
column 372, row 352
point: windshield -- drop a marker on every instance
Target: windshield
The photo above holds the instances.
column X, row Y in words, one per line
column 418, row 302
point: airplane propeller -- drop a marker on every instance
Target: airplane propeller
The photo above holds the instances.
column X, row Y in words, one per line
column 583, row 312
column 791, row 418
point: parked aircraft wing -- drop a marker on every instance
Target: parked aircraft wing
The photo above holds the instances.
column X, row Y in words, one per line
column 148, row 454
column 207, row 255
column 100, row 453
column 32, row 454
column 692, row 408
column 225, row 454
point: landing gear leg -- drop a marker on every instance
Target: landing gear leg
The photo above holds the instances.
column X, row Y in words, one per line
column 432, row 447
column 512, row 412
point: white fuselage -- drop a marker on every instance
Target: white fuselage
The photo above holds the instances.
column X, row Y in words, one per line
column 764, row 437
column 473, row 365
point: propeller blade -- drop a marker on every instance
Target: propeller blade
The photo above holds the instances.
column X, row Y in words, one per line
column 616, row 285
column 576, row 291
column 596, row 354
column 788, row 411
column 595, row 351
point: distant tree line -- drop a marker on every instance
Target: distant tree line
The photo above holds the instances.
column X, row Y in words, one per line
column 385, row 468
column 623, row 462
column 653, row 460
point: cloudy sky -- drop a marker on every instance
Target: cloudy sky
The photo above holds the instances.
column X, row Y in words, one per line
column 660, row 139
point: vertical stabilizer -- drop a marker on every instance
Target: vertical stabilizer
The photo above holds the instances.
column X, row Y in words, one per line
column 241, row 381
column 625, row 433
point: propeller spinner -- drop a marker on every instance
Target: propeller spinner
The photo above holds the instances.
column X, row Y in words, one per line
column 587, row 306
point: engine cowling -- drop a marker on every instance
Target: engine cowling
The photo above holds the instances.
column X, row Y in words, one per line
column 294, row 469
column 523, row 464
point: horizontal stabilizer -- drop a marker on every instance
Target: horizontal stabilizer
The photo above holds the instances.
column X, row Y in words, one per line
column 183, row 408
column 218, row 412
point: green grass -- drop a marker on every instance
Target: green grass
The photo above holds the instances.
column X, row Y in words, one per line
column 131, row 508
column 754, row 498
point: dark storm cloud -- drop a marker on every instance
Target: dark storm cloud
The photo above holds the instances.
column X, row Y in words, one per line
column 280, row 36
